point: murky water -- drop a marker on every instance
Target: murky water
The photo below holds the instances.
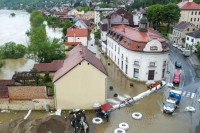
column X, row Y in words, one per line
column 153, row 120
column 14, row 29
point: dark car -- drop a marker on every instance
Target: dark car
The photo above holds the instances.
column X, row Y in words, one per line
column 178, row 64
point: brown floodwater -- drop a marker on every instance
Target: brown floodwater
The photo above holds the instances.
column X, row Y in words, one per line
column 153, row 119
column 12, row 65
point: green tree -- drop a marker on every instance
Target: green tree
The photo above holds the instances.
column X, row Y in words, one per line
column 155, row 15
column 198, row 48
column 171, row 14
column 13, row 14
column 97, row 34
column 67, row 25
column 36, row 19
column 104, row 5
column 47, row 77
column 12, row 50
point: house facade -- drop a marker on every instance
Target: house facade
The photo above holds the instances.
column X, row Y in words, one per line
column 77, row 35
column 180, row 30
column 81, row 81
column 191, row 40
column 75, row 12
column 97, row 13
column 190, row 12
column 140, row 53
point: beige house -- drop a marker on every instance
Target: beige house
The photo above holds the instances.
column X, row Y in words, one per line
column 75, row 12
column 180, row 30
column 81, row 81
column 190, row 12
column 88, row 15
column 77, row 35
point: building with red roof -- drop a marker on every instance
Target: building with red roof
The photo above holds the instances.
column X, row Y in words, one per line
column 190, row 12
column 81, row 81
column 141, row 53
column 77, row 35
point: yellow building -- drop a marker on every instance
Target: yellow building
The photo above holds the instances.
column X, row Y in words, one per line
column 75, row 12
column 81, row 81
column 190, row 12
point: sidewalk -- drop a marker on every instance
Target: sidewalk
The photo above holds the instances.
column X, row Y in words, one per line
column 194, row 61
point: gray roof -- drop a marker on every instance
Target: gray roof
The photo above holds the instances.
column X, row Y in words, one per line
column 103, row 9
column 182, row 25
column 195, row 34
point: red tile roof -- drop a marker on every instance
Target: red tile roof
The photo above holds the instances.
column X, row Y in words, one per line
column 71, row 32
column 49, row 67
column 76, row 56
column 4, row 88
column 72, row 43
column 132, row 37
column 186, row 5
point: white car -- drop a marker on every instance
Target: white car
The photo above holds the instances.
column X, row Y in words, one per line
column 175, row 45
column 183, row 49
column 180, row 47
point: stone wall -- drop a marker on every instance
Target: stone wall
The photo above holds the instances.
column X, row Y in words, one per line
column 27, row 92
column 34, row 104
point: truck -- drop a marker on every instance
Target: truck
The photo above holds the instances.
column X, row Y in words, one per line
column 172, row 101
column 186, row 53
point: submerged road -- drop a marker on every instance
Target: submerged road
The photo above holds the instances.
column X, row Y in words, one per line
column 189, row 84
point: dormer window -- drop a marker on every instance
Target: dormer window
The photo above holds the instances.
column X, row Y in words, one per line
column 129, row 44
column 124, row 41
column 138, row 46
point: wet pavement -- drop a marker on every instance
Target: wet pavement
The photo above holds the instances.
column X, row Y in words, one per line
column 92, row 46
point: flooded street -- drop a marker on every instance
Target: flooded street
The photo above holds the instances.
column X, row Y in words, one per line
column 153, row 120
column 14, row 29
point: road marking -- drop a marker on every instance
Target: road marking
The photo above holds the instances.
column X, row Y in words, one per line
column 183, row 94
column 188, row 94
column 193, row 94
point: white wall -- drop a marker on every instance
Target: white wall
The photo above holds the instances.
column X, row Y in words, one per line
column 144, row 59
column 189, row 43
column 83, row 40
column 103, row 35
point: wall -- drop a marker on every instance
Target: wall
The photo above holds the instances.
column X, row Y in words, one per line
column 34, row 104
column 80, row 88
column 186, row 15
column 103, row 35
column 83, row 40
column 27, row 92
column 189, row 43
column 144, row 59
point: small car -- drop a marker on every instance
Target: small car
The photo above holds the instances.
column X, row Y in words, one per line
column 183, row 49
column 177, row 77
column 180, row 47
column 178, row 64
column 175, row 45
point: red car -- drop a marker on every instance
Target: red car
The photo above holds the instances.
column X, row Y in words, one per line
column 177, row 77
column 152, row 85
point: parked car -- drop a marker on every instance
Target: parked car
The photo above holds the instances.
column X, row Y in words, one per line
column 178, row 64
column 175, row 45
column 180, row 47
column 183, row 49
column 177, row 77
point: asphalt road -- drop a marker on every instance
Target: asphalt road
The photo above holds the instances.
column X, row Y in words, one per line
column 189, row 84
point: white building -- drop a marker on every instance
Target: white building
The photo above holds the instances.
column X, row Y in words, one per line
column 77, row 35
column 140, row 53
column 97, row 13
column 191, row 40
column 80, row 24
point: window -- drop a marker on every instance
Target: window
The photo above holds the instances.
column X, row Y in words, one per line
column 152, row 64
column 118, row 50
column 136, row 73
column 115, row 58
column 199, row 12
column 165, row 63
column 122, row 66
column 138, row 46
column 198, row 19
column 192, row 13
column 191, row 19
column 194, row 19
column 118, row 61
column 122, row 56
column 188, row 29
column 126, row 59
column 126, row 69
column 187, row 38
column 136, row 63
column 115, row 47
column 193, row 29
column 195, row 13
column 192, row 40
column 129, row 44
column 163, row 73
